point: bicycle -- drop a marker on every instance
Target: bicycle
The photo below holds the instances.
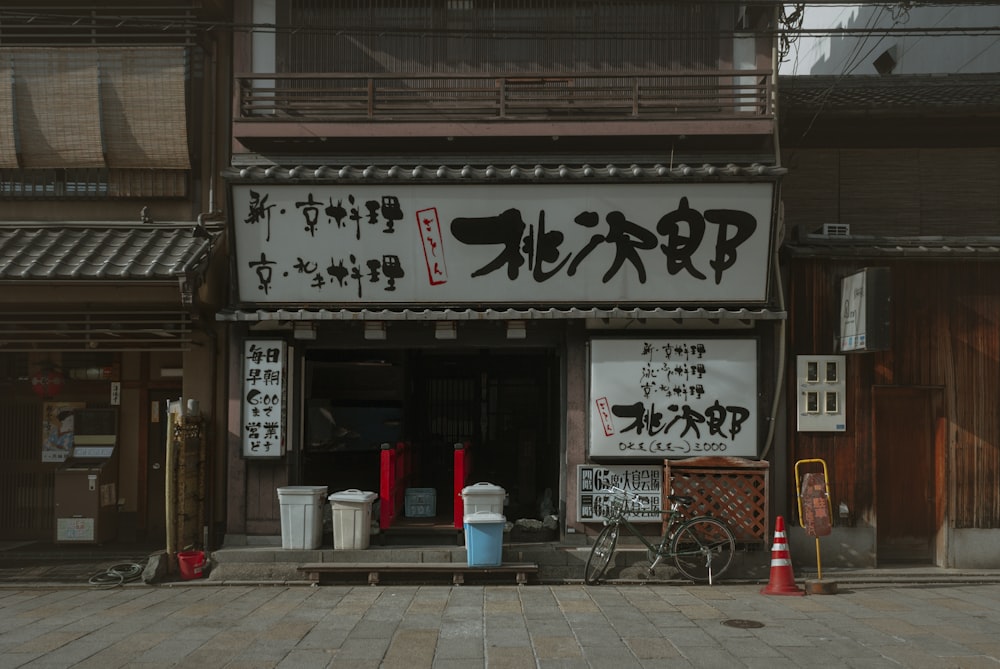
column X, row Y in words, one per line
column 702, row 547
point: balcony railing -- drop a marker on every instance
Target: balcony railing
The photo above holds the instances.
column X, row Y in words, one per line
column 335, row 98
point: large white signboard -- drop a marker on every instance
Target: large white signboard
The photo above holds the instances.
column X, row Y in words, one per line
column 264, row 367
column 504, row 243
column 682, row 397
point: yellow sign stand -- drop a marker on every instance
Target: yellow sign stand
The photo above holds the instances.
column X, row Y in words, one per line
column 815, row 513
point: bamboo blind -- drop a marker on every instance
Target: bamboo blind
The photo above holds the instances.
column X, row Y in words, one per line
column 8, row 147
column 122, row 108
column 58, row 113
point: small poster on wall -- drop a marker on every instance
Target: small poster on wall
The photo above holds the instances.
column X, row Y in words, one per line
column 57, row 430
column 264, row 370
column 678, row 397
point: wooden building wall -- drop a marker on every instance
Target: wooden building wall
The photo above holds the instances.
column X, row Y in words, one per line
column 893, row 192
column 945, row 332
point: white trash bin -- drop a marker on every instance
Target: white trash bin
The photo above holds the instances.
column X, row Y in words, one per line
column 483, row 497
column 302, row 515
column 352, row 518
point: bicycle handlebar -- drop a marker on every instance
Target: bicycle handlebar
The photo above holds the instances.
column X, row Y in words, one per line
column 627, row 496
column 623, row 496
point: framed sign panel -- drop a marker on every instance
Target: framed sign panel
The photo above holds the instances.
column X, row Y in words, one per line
column 865, row 310
column 644, row 482
column 677, row 397
column 265, row 363
column 413, row 243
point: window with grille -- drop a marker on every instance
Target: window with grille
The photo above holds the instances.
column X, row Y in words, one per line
column 503, row 36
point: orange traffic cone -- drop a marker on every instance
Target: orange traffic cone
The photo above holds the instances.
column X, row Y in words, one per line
column 782, row 580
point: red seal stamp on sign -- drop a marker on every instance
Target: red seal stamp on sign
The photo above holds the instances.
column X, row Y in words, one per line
column 430, row 239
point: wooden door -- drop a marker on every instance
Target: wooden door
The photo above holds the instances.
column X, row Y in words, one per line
column 908, row 452
column 27, row 485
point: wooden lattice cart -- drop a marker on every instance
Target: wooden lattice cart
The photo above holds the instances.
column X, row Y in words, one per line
column 731, row 489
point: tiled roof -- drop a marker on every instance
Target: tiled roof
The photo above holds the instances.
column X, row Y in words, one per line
column 500, row 314
column 522, row 173
column 34, row 251
column 859, row 93
column 922, row 247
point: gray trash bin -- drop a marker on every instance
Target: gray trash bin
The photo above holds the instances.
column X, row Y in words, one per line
column 302, row 515
column 351, row 511
column 483, row 497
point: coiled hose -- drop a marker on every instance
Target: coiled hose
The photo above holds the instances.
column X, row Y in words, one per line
column 118, row 574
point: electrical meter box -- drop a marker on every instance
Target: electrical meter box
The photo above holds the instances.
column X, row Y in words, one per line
column 86, row 484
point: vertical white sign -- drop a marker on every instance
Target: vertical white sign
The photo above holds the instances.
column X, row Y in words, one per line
column 852, row 316
column 264, row 397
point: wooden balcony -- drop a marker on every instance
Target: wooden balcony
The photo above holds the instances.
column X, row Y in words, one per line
column 302, row 106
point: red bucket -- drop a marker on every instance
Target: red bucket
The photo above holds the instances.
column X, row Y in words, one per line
column 192, row 564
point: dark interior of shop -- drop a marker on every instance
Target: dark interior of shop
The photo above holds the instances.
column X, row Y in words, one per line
column 503, row 405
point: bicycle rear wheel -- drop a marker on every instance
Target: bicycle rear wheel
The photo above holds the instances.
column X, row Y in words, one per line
column 703, row 549
column 600, row 554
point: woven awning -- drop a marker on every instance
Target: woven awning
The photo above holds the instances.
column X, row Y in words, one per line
column 121, row 108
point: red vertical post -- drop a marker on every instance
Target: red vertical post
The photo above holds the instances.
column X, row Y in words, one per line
column 402, row 471
column 387, row 476
column 460, row 472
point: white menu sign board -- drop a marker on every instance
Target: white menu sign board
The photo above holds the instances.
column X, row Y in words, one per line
column 679, row 397
column 264, row 367
column 643, row 483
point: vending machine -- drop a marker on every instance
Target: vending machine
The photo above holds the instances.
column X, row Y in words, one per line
column 86, row 485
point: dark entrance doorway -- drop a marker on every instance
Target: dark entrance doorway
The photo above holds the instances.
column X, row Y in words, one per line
column 908, row 456
column 505, row 405
column 502, row 403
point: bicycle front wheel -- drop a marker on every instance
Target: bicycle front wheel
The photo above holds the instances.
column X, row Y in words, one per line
column 600, row 554
column 703, row 549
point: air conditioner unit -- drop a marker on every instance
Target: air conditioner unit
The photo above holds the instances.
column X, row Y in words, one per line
column 831, row 230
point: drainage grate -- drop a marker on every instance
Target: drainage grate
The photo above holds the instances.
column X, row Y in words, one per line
column 743, row 624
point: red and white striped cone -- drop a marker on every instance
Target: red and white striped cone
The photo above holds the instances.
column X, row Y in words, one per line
column 782, row 580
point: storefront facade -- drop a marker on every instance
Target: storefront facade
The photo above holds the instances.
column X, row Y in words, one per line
column 504, row 241
column 893, row 227
column 110, row 217
column 547, row 327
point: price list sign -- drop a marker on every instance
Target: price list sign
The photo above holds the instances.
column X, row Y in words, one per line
column 264, row 366
column 643, row 485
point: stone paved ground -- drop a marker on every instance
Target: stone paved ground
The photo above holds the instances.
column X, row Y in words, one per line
column 410, row 627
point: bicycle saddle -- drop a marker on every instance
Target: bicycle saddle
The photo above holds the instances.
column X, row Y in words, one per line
column 684, row 500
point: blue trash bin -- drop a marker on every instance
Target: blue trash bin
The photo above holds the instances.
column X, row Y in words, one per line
column 484, row 538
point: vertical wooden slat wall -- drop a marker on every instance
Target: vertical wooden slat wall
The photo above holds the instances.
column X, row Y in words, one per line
column 894, row 192
column 26, row 483
column 945, row 333
column 408, row 36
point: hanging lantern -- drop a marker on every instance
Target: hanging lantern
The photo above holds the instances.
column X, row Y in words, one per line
column 47, row 383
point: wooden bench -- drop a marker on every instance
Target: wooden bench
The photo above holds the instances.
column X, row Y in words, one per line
column 458, row 571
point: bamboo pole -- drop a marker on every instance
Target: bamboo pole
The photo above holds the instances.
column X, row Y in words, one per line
column 169, row 494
